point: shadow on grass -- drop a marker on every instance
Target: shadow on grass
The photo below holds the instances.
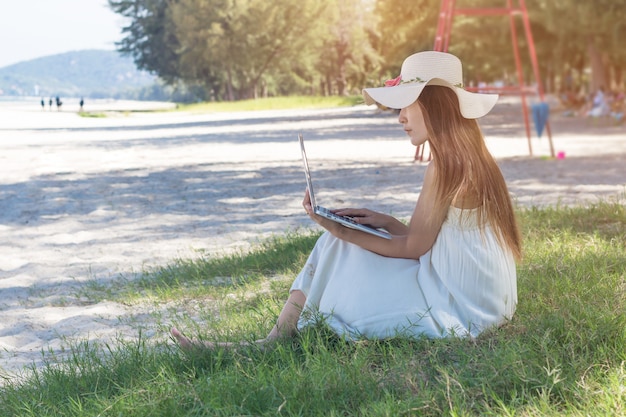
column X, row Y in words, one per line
column 563, row 352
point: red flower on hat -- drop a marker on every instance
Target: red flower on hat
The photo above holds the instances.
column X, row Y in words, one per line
column 394, row 82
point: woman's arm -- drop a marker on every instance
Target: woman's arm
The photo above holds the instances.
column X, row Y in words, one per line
column 412, row 241
column 375, row 219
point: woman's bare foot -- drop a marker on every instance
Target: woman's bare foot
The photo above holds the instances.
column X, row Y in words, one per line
column 190, row 344
column 286, row 326
column 184, row 342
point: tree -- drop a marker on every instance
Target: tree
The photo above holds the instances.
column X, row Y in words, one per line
column 243, row 42
column 150, row 38
column 409, row 27
column 247, row 48
column 586, row 34
column 403, row 28
column 204, row 33
column 347, row 53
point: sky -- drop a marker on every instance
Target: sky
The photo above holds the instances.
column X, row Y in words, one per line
column 35, row 28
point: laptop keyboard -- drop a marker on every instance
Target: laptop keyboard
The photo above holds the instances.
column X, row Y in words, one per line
column 331, row 214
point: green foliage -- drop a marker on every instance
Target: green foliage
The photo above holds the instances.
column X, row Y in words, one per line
column 564, row 352
column 574, row 41
column 236, row 48
column 347, row 55
column 150, row 37
column 253, row 48
column 404, row 28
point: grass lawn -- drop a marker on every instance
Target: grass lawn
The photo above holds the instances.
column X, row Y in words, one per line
column 563, row 354
column 268, row 103
column 273, row 103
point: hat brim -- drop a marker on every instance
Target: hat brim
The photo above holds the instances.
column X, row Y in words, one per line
column 397, row 97
column 472, row 105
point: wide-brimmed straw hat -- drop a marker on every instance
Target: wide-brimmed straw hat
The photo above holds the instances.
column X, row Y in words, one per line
column 430, row 68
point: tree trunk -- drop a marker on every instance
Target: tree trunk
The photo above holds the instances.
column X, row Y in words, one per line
column 329, row 85
column 341, row 47
column 619, row 77
column 229, row 86
column 581, row 88
column 598, row 71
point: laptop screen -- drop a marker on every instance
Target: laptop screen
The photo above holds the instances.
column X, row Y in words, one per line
column 307, row 172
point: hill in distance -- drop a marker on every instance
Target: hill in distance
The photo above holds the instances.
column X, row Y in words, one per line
column 88, row 73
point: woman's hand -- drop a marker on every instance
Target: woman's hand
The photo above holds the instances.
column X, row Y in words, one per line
column 375, row 219
column 329, row 225
column 361, row 216
column 306, row 203
column 365, row 216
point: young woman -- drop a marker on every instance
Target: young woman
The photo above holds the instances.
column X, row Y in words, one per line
column 451, row 270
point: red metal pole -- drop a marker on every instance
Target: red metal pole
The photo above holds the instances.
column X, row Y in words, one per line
column 520, row 76
column 442, row 41
column 448, row 27
column 443, row 10
column 533, row 59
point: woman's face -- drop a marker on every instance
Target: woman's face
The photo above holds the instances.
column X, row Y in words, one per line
column 413, row 123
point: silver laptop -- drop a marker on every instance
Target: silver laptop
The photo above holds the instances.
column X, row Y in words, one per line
column 324, row 212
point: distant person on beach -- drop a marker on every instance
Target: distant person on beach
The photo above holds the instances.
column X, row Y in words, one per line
column 599, row 106
column 82, row 103
column 59, row 103
column 43, row 104
column 451, row 270
column 50, row 103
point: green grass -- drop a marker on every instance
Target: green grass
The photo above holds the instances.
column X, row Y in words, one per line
column 563, row 354
column 273, row 103
column 93, row 115
column 270, row 103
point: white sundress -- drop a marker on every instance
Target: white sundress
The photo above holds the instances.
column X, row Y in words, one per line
column 465, row 284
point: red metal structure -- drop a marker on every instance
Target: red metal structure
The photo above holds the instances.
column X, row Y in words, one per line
column 447, row 12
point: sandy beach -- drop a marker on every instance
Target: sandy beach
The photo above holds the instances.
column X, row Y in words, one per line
column 85, row 201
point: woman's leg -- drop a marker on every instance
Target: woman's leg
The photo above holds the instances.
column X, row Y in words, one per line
column 286, row 326
column 287, row 322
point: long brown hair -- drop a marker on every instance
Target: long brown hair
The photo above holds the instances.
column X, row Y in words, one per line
column 464, row 165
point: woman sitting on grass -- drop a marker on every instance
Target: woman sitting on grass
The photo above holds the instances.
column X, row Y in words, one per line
column 451, row 271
